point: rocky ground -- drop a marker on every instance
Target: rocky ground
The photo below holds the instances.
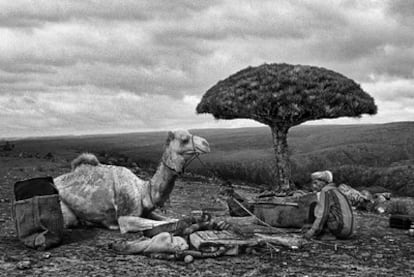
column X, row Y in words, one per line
column 376, row 249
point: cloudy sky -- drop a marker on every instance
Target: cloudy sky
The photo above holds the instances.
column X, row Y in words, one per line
column 88, row 66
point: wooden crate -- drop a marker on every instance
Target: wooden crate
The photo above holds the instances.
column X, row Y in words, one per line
column 287, row 212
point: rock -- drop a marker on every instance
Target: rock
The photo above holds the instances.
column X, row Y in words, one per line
column 23, row 265
column 305, row 255
column 365, row 255
column 378, row 256
column 49, row 156
column 6, row 266
column 188, row 259
column 10, row 258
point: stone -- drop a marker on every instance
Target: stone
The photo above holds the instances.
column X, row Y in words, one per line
column 188, row 259
column 6, row 266
column 378, row 256
column 23, row 265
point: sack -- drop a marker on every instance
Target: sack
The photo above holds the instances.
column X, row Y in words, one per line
column 37, row 213
column 162, row 243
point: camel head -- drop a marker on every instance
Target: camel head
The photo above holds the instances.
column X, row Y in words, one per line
column 180, row 146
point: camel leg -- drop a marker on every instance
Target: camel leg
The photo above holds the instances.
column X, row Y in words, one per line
column 137, row 224
column 110, row 225
column 69, row 218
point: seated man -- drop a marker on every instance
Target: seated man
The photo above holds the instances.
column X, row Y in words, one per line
column 333, row 213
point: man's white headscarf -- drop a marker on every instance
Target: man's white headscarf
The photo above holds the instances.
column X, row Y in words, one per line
column 325, row 176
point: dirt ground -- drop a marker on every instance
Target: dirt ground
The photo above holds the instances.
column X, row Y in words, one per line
column 376, row 249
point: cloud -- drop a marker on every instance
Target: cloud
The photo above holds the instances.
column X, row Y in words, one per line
column 35, row 14
column 74, row 113
column 402, row 10
column 66, row 55
column 394, row 90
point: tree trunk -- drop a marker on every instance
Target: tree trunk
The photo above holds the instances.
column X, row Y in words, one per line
column 282, row 170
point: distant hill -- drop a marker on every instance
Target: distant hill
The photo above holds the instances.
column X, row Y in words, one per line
column 376, row 155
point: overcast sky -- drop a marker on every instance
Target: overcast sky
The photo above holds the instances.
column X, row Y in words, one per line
column 76, row 67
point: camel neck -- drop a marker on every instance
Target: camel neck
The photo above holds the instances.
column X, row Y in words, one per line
column 162, row 183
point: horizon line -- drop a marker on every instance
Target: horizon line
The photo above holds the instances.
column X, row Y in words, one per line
column 16, row 138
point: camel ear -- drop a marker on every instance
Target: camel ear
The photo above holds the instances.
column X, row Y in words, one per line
column 170, row 137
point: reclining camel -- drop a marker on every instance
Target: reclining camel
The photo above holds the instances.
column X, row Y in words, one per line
column 115, row 197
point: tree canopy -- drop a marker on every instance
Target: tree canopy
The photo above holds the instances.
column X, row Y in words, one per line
column 286, row 95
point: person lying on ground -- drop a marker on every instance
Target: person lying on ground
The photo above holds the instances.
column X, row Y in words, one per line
column 333, row 212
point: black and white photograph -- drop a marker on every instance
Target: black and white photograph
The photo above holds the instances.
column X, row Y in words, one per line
column 206, row 138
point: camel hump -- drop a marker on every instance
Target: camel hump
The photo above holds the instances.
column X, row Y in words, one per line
column 85, row 158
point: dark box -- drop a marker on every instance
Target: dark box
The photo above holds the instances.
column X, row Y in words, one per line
column 401, row 221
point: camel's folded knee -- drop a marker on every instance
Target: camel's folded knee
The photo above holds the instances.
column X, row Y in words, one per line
column 69, row 218
column 111, row 225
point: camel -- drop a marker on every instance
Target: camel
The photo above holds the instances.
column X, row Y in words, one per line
column 115, row 197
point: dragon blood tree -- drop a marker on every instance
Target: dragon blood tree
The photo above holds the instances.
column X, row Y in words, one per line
column 282, row 96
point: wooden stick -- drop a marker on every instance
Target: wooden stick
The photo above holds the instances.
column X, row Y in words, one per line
column 283, row 239
column 278, row 204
